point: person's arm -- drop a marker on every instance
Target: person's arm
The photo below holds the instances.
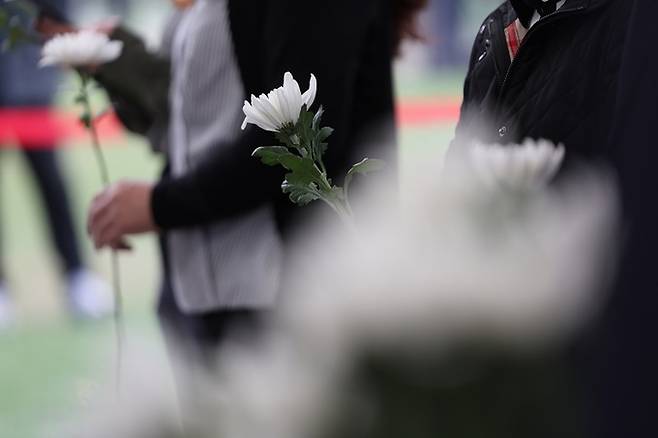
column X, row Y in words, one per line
column 322, row 37
column 481, row 72
column 137, row 83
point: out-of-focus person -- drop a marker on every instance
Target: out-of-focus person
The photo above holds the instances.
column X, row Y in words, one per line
column 119, row 7
column 444, row 16
column 621, row 370
column 540, row 69
column 24, row 88
column 213, row 72
column 576, row 72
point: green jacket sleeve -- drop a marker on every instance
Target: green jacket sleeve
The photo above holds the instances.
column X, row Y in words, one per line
column 138, row 86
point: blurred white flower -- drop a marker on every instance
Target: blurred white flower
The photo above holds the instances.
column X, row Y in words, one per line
column 80, row 49
column 144, row 407
column 281, row 107
column 466, row 267
column 278, row 390
column 454, row 265
column 524, row 167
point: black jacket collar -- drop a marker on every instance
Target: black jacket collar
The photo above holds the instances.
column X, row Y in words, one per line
column 525, row 9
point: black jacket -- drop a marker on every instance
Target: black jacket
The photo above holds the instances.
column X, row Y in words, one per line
column 348, row 46
column 625, row 367
column 586, row 77
column 561, row 85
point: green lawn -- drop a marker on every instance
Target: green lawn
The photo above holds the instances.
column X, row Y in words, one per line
column 48, row 364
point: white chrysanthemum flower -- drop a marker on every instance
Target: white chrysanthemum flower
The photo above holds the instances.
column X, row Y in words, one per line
column 81, row 49
column 420, row 281
column 524, row 167
column 281, row 106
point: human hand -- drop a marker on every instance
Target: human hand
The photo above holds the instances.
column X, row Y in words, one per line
column 121, row 210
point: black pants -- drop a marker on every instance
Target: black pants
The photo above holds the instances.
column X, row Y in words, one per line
column 45, row 168
column 199, row 336
column 194, row 343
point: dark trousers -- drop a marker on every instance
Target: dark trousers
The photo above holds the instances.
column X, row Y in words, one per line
column 199, row 336
column 194, row 343
column 46, row 170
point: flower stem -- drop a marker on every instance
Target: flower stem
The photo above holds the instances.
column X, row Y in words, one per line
column 343, row 212
column 88, row 120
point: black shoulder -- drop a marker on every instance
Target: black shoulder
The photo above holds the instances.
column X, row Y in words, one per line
column 504, row 15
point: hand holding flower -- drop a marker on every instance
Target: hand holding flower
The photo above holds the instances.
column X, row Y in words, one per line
column 122, row 209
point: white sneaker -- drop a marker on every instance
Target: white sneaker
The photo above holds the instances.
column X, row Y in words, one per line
column 89, row 296
column 6, row 309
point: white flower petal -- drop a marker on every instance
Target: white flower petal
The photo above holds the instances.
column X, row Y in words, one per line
column 80, row 49
column 525, row 167
column 270, row 108
column 263, row 114
column 309, row 96
column 281, row 106
column 290, row 99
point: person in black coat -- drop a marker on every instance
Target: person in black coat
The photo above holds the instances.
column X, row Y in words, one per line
column 353, row 67
column 352, row 63
column 623, row 366
column 546, row 73
column 581, row 75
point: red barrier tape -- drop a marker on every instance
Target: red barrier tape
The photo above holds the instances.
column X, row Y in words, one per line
column 420, row 112
column 44, row 128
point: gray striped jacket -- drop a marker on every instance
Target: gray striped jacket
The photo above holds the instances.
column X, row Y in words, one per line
column 234, row 263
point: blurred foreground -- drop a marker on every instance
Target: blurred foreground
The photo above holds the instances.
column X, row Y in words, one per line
column 48, row 364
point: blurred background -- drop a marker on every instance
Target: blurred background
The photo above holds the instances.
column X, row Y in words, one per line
column 49, row 363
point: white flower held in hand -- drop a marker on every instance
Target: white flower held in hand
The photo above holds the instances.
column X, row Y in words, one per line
column 81, row 49
column 281, row 107
column 523, row 168
column 89, row 48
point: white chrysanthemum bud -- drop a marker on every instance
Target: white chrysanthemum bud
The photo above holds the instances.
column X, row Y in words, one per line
column 524, row 167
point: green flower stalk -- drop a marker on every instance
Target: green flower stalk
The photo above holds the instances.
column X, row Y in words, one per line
column 88, row 119
column 80, row 51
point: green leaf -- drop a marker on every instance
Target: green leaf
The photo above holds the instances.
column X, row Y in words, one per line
column 304, row 130
column 317, row 119
column 366, row 166
column 278, row 156
column 305, row 118
column 303, row 181
column 4, row 18
column 299, row 191
column 324, row 133
column 283, row 137
column 274, row 155
column 303, row 169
